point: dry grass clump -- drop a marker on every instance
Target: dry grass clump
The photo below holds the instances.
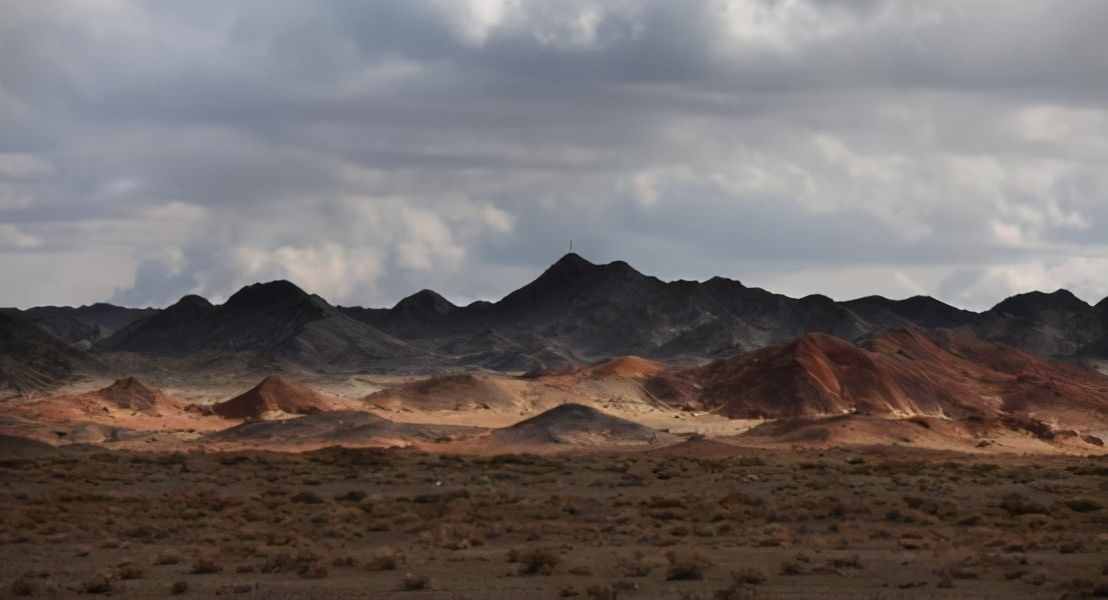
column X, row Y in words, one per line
column 128, row 572
column 535, row 561
column 412, row 582
column 385, row 559
column 167, row 557
column 205, row 566
column 686, row 566
column 101, row 583
column 636, row 565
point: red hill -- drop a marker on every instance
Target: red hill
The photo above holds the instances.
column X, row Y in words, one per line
column 273, row 394
column 132, row 394
column 901, row 372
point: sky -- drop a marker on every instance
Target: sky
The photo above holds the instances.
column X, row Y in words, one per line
column 369, row 149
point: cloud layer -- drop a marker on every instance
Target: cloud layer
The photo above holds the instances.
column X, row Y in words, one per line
column 370, row 149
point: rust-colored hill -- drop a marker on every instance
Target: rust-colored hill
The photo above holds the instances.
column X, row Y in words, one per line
column 130, row 393
column 273, row 395
column 902, row 372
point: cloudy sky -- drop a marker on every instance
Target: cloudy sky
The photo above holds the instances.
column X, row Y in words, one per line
column 367, row 149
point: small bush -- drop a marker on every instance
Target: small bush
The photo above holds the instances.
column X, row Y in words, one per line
column 635, row 566
column 686, row 567
column 99, row 584
column 413, row 582
column 205, row 566
column 791, row 567
column 178, row 588
column 129, row 572
column 537, row 561
column 167, row 557
column 1083, row 505
column 748, row 576
column 313, row 571
column 385, row 560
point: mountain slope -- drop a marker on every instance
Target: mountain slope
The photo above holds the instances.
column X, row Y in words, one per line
column 84, row 325
column 31, row 359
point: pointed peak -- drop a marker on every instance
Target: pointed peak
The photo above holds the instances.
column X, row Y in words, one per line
column 266, row 294
column 571, row 260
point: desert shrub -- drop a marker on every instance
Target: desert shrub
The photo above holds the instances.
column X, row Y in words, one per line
column 100, row 583
column 178, row 588
column 386, row 559
column 635, row 566
column 1017, row 504
column 129, row 572
column 205, row 566
column 414, row 582
column 167, row 557
column 845, row 562
column 601, row 592
column 686, row 566
column 306, row 497
column 344, row 561
column 312, row 571
column 742, row 587
column 1083, row 505
column 536, row 561
column 748, row 576
column 791, row 567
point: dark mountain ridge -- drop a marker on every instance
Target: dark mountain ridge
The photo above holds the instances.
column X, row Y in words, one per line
column 574, row 311
column 277, row 320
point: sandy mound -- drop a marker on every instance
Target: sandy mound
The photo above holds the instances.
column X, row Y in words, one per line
column 273, row 395
column 130, row 393
column 349, row 428
column 449, row 392
column 576, row 424
column 626, row 366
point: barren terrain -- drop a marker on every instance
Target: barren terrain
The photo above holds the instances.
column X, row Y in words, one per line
column 697, row 520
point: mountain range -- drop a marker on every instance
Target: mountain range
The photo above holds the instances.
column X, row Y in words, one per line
column 575, row 312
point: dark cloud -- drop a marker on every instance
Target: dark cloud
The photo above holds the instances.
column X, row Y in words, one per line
column 369, row 149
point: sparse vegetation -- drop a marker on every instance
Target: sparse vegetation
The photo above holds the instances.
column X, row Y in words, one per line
column 794, row 522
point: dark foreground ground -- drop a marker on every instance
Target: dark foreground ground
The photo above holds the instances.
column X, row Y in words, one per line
column 383, row 524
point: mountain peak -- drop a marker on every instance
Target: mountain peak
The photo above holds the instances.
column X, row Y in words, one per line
column 571, row 262
column 191, row 301
column 1030, row 303
column 426, row 301
column 266, row 294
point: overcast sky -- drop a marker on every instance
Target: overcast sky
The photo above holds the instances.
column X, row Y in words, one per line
column 368, row 149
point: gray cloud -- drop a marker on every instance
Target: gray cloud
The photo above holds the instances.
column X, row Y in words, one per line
column 369, row 149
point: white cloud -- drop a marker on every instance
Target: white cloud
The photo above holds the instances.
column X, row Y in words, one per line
column 371, row 149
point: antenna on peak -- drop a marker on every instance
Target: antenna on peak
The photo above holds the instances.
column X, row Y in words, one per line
column 571, row 246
